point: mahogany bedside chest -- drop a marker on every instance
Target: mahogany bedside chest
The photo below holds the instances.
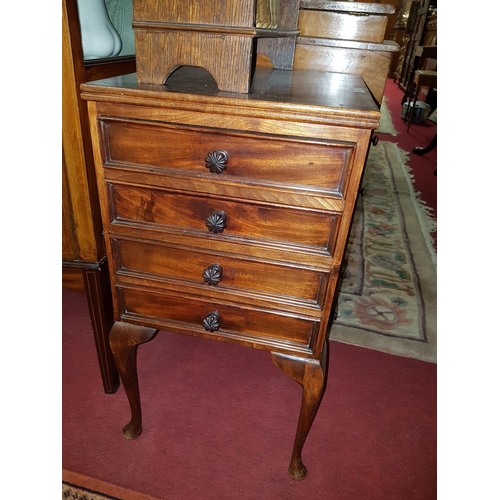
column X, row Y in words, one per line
column 226, row 215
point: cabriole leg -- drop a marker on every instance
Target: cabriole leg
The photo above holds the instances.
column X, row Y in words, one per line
column 310, row 374
column 124, row 339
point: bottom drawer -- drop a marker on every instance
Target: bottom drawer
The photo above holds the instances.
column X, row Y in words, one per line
column 200, row 317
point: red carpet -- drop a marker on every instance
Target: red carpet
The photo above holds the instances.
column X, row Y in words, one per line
column 219, row 422
column 420, row 134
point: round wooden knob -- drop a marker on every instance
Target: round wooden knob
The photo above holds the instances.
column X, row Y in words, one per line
column 211, row 323
column 217, row 222
column 212, row 275
column 216, row 161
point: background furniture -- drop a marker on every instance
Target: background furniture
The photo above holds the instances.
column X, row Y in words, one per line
column 397, row 34
column 226, row 216
column 346, row 37
column 84, row 265
column 420, row 78
column 420, row 29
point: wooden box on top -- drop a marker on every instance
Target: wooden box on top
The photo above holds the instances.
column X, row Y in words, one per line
column 223, row 37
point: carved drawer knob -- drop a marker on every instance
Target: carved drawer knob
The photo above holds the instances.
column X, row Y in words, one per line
column 217, row 222
column 216, row 161
column 213, row 274
column 211, row 323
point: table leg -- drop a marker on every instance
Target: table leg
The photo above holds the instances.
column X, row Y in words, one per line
column 124, row 339
column 310, row 374
column 418, row 150
column 98, row 292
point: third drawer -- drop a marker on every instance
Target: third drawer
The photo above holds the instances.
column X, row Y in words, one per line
column 220, row 271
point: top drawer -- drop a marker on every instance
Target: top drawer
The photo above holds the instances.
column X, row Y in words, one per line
column 236, row 156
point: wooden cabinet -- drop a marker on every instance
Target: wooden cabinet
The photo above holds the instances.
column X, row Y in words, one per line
column 226, row 215
column 346, row 37
column 84, row 262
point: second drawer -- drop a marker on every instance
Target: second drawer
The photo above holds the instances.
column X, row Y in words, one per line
column 205, row 216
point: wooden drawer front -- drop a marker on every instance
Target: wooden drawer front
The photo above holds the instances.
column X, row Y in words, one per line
column 268, row 159
column 342, row 25
column 225, row 272
column 183, row 313
column 265, row 223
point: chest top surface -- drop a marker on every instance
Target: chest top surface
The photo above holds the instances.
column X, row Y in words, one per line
column 307, row 93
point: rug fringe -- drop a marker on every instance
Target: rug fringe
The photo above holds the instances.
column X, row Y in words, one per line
column 386, row 126
column 427, row 222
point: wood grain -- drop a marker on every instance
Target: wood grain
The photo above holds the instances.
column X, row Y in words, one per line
column 268, row 158
column 208, row 34
column 226, row 12
column 342, row 26
column 238, row 274
column 269, row 223
column 180, row 312
column 343, row 6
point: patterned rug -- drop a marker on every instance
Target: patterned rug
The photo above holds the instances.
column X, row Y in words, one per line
column 386, row 126
column 77, row 486
column 387, row 296
column 74, row 492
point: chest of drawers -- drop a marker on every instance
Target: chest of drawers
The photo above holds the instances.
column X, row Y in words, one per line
column 226, row 215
